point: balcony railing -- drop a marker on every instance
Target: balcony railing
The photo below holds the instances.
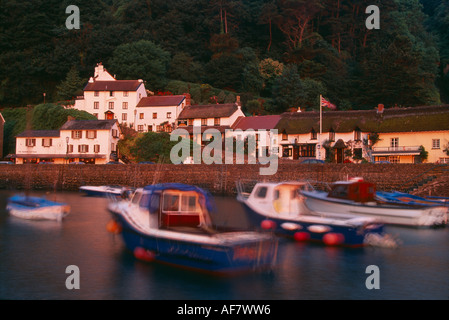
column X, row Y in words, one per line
column 398, row 149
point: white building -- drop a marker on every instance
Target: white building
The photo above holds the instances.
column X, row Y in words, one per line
column 89, row 141
column 199, row 118
column 159, row 113
column 263, row 128
column 108, row 98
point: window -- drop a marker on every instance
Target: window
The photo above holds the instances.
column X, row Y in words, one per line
column 124, row 105
column 188, row 203
column 286, row 152
column 47, row 142
column 444, row 160
column 171, row 202
column 140, row 128
column 435, row 143
column 124, row 116
column 331, row 135
column 114, row 133
column 204, row 122
column 313, row 135
column 96, row 105
column 168, row 115
column 111, row 105
column 97, row 148
column 158, row 128
column 261, row 192
column 96, row 94
column 154, row 115
column 30, row 142
column 394, row 143
column 83, row 148
column 141, row 116
column 70, row 148
column 91, row 134
column 150, row 128
column 216, row 121
column 357, row 134
column 78, row 134
column 394, row 159
column 112, row 147
column 111, row 93
column 284, row 135
column 125, row 93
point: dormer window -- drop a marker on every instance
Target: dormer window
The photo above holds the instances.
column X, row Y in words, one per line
column 331, row 135
column 284, row 135
column 313, row 135
column 357, row 134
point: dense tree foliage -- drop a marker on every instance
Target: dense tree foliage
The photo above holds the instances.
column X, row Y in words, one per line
column 323, row 46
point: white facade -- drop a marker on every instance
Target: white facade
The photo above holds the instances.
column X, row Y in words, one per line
column 158, row 113
column 79, row 143
column 108, row 98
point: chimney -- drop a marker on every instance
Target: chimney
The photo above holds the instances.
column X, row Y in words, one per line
column 91, row 80
column 238, row 101
column 98, row 70
column 70, row 118
column 380, row 108
column 188, row 99
column 299, row 109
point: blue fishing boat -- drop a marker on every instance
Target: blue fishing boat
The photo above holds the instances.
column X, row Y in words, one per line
column 36, row 208
column 279, row 207
column 171, row 223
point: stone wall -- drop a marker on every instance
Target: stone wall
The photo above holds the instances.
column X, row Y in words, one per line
column 221, row 179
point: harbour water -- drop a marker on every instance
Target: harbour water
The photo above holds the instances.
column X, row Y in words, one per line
column 34, row 256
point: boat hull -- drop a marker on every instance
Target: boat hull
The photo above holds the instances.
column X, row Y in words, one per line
column 405, row 215
column 309, row 229
column 37, row 209
column 229, row 255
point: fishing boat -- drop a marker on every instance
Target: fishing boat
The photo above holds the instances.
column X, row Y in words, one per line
column 36, row 208
column 105, row 191
column 402, row 197
column 357, row 197
column 171, row 223
column 279, row 207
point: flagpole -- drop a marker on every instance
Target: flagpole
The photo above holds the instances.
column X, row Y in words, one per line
column 321, row 128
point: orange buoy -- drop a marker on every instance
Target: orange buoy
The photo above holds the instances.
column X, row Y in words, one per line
column 268, row 225
column 301, row 236
column 114, row 227
column 333, row 239
column 143, row 254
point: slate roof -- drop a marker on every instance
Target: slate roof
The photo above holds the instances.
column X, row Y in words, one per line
column 161, row 101
column 416, row 119
column 39, row 134
column 88, row 125
column 208, row 111
column 257, row 122
column 117, row 85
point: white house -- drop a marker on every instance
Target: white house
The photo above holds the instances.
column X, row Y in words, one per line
column 264, row 130
column 198, row 118
column 108, row 98
column 159, row 113
column 89, row 141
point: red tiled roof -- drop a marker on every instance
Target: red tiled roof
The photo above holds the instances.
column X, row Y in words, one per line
column 257, row 122
column 161, row 101
column 117, row 85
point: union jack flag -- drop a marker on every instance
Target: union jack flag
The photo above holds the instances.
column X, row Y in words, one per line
column 325, row 103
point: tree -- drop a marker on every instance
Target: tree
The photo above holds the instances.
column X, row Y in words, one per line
column 141, row 60
column 72, row 86
column 151, row 146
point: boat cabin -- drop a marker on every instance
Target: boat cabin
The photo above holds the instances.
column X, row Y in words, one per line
column 280, row 198
column 171, row 207
column 355, row 189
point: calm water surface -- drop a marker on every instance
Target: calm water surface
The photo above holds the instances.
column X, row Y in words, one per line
column 34, row 256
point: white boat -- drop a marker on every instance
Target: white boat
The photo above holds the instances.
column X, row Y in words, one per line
column 170, row 223
column 357, row 198
column 105, row 191
column 36, row 208
column 279, row 207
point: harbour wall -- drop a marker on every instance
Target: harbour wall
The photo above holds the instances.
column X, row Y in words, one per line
column 426, row 179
